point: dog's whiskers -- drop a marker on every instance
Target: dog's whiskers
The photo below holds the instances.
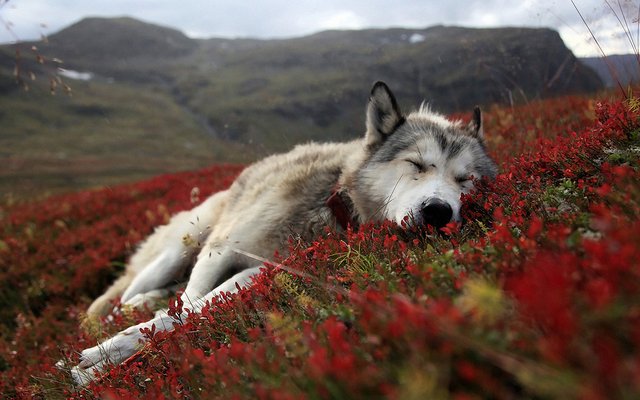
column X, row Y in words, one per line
column 381, row 210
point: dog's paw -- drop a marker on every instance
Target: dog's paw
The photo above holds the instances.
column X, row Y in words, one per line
column 145, row 300
column 137, row 301
column 84, row 376
column 94, row 360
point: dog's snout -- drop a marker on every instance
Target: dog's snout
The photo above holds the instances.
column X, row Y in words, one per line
column 436, row 213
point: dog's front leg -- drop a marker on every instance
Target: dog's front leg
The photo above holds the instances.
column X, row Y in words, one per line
column 122, row 346
column 115, row 350
column 213, row 265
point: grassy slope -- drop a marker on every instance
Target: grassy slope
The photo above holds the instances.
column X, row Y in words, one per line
column 101, row 135
column 314, row 84
column 262, row 95
column 535, row 297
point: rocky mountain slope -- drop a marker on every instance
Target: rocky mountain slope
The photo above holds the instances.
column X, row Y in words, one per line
column 617, row 68
column 239, row 99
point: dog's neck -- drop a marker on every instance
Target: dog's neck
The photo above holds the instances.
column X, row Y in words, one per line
column 342, row 208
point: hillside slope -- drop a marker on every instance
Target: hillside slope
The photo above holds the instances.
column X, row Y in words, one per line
column 534, row 297
column 615, row 69
column 240, row 99
column 111, row 40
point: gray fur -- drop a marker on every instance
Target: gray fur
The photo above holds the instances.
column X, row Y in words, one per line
column 401, row 165
column 452, row 140
column 383, row 114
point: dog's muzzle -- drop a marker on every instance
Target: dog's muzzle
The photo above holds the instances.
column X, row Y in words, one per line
column 436, row 213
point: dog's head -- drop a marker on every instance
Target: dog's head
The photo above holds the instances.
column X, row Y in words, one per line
column 418, row 165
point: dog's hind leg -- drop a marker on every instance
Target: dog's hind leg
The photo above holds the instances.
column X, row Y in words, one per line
column 127, row 342
column 153, row 297
column 168, row 266
column 158, row 262
column 165, row 256
column 102, row 305
column 175, row 246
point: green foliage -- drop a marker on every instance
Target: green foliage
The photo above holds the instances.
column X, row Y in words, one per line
column 103, row 134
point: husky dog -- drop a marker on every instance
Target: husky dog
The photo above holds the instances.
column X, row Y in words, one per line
column 410, row 168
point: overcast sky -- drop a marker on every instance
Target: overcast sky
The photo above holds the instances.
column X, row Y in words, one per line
column 28, row 19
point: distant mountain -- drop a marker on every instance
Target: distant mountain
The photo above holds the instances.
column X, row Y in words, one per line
column 455, row 67
column 314, row 86
column 111, row 40
column 617, row 68
column 249, row 97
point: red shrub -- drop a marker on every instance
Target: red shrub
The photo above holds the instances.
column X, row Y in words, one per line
column 535, row 295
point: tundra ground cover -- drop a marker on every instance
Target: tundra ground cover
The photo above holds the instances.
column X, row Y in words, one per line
column 537, row 295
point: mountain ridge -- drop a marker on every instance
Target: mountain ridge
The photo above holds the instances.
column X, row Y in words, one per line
column 242, row 99
column 616, row 69
column 146, row 38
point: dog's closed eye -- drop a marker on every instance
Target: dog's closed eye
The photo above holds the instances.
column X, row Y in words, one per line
column 420, row 166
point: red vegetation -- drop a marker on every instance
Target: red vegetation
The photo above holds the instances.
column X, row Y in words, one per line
column 537, row 295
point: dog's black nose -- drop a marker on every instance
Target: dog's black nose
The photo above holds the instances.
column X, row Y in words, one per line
column 436, row 213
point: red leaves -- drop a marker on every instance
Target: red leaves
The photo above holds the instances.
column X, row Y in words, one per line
column 599, row 292
column 65, row 250
column 545, row 293
column 540, row 284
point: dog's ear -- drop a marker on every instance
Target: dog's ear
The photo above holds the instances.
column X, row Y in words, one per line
column 475, row 125
column 383, row 114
